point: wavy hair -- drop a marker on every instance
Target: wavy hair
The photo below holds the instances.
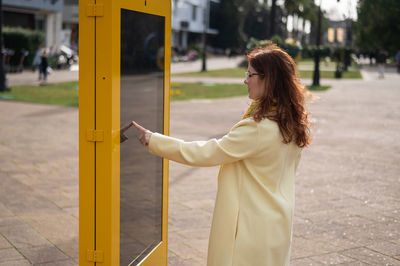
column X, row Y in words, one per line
column 283, row 93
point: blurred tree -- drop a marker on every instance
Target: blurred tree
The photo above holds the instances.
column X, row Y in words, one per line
column 238, row 20
column 227, row 26
column 271, row 31
column 309, row 12
column 314, row 27
column 292, row 9
column 244, row 7
column 378, row 25
column 257, row 23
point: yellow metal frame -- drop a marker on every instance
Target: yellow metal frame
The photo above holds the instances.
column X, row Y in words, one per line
column 99, row 108
column 86, row 121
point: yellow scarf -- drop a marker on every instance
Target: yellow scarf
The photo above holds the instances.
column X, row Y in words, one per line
column 253, row 106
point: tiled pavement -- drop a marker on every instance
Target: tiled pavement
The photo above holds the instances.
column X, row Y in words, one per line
column 347, row 187
column 39, row 184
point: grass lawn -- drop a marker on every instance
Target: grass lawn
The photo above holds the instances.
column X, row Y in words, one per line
column 185, row 91
column 318, row 88
column 310, row 62
column 239, row 73
column 65, row 93
column 308, row 74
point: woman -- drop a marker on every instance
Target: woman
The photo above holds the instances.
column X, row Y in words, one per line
column 44, row 64
column 253, row 215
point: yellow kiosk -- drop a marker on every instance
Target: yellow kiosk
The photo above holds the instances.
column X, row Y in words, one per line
column 124, row 75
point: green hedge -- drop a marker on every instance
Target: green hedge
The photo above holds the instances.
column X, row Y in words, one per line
column 310, row 51
column 291, row 49
column 19, row 39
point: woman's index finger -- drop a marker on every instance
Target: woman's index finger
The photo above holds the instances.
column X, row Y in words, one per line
column 139, row 127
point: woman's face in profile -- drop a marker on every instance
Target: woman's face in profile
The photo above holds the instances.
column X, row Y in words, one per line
column 254, row 83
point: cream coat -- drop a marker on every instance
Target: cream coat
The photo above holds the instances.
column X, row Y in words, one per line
column 252, row 221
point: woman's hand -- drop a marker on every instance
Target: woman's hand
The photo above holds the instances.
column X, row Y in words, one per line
column 145, row 134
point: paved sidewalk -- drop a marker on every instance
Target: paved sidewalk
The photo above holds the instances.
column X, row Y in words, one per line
column 31, row 78
column 368, row 73
column 347, row 187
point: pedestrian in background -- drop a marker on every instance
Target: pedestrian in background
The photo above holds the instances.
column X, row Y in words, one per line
column 397, row 60
column 253, row 215
column 381, row 61
column 36, row 60
column 44, row 64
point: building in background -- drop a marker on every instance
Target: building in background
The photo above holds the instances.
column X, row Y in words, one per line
column 59, row 19
column 42, row 15
column 189, row 17
column 70, row 25
column 340, row 33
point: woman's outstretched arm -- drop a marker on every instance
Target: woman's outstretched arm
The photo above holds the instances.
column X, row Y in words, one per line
column 241, row 142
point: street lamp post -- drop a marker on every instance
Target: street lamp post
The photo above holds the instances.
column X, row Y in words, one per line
column 3, row 85
column 204, row 36
column 316, row 56
column 272, row 19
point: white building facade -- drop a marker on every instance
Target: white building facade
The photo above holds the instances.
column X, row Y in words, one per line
column 191, row 18
column 42, row 15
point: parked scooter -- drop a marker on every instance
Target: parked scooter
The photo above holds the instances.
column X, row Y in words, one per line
column 20, row 66
column 8, row 54
column 66, row 57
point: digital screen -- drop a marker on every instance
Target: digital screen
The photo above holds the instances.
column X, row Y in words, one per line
column 142, row 100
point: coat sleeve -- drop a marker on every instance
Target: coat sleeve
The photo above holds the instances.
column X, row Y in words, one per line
column 241, row 142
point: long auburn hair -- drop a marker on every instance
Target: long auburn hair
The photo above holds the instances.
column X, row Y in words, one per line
column 283, row 93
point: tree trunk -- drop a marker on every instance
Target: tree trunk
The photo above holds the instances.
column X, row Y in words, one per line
column 272, row 19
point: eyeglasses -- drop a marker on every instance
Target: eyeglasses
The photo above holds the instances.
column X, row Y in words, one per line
column 248, row 74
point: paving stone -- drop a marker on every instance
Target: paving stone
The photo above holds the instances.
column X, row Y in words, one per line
column 4, row 243
column 304, row 262
column 205, row 204
column 4, row 211
column 385, row 247
column 69, row 247
column 353, row 221
column 56, row 226
column 177, row 261
column 27, row 179
column 9, row 254
column 200, row 245
column 74, row 211
column 59, row 263
column 355, row 263
column 332, row 259
column 183, row 251
column 43, row 254
column 394, row 213
column 369, row 256
column 15, row 263
column 195, row 233
column 23, row 236
column 302, row 247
